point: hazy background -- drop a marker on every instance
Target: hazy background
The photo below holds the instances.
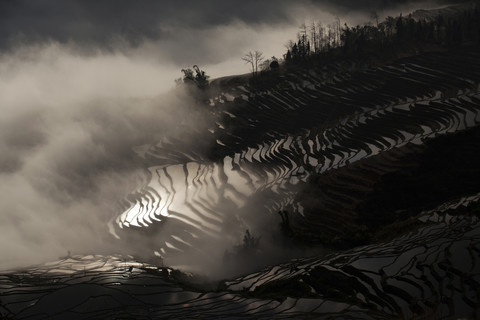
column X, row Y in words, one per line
column 82, row 82
column 169, row 34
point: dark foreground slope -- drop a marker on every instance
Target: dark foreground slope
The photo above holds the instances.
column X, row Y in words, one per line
column 432, row 273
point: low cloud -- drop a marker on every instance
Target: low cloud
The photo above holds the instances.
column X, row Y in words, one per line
column 67, row 130
column 83, row 82
column 190, row 33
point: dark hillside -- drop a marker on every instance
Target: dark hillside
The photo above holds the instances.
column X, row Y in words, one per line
column 364, row 142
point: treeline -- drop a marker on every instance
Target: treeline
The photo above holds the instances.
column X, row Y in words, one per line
column 317, row 40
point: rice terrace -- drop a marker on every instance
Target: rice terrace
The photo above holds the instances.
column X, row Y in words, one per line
column 340, row 180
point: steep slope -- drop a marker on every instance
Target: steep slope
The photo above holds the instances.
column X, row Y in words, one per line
column 338, row 136
column 430, row 273
column 381, row 161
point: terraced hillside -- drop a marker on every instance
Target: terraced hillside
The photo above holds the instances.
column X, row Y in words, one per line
column 338, row 136
column 432, row 273
column 379, row 164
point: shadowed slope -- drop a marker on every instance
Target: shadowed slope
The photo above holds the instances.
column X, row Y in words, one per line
column 348, row 131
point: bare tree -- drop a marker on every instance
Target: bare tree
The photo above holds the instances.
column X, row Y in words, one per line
column 330, row 36
column 390, row 25
column 313, row 35
column 254, row 58
column 321, row 37
column 374, row 16
column 338, row 31
column 303, row 34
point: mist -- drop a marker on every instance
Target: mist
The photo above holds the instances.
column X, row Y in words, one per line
column 67, row 130
column 75, row 101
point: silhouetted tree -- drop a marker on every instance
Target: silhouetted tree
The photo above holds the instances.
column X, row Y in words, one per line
column 389, row 25
column 188, row 75
column 374, row 16
column 249, row 241
column 199, row 78
column 288, row 56
column 274, row 65
column 294, row 50
column 399, row 27
column 254, row 58
column 388, row 36
column 314, row 36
